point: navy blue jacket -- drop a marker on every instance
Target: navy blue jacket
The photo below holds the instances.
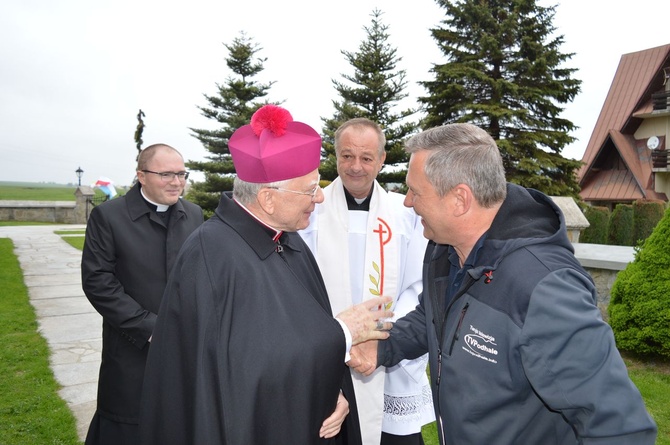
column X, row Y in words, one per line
column 521, row 355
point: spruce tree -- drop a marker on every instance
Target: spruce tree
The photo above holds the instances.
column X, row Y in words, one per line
column 232, row 106
column 505, row 73
column 373, row 91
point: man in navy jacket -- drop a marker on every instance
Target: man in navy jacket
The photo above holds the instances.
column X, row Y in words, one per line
column 519, row 353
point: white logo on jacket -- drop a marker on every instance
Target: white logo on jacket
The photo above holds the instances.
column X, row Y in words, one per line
column 480, row 345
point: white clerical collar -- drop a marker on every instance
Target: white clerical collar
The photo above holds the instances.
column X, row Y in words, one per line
column 159, row 207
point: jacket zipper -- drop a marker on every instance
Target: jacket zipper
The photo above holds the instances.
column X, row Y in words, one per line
column 439, row 349
column 458, row 327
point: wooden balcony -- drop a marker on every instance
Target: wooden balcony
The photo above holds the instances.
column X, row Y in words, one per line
column 661, row 100
column 659, row 159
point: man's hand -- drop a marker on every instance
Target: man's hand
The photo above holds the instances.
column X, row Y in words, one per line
column 364, row 357
column 333, row 424
column 364, row 323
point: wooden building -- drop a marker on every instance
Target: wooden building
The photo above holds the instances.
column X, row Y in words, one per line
column 626, row 158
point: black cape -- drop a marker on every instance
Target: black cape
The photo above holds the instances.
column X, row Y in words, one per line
column 245, row 349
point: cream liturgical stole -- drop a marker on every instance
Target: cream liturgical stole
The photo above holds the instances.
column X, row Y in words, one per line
column 358, row 257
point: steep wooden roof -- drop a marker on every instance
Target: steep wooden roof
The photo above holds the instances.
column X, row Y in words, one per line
column 622, row 172
column 636, row 78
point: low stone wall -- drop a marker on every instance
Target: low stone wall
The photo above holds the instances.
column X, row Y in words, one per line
column 604, row 280
column 603, row 263
column 63, row 212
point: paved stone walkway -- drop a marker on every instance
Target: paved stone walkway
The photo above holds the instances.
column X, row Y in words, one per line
column 72, row 328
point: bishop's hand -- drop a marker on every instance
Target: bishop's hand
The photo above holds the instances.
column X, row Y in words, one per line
column 366, row 320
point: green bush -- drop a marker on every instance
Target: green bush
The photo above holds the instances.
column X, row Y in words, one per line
column 646, row 215
column 596, row 232
column 620, row 226
column 639, row 309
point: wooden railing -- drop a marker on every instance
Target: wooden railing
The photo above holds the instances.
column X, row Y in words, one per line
column 659, row 158
column 661, row 100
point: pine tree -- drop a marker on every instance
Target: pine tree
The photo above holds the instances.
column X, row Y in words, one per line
column 231, row 107
column 378, row 87
column 505, row 73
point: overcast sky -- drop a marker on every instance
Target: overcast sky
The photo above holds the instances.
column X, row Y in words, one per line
column 74, row 73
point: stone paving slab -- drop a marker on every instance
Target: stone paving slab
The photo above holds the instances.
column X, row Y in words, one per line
column 83, row 351
column 47, row 267
column 78, row 374
column 49, row 292
column 69, row 328
column 49, row 307
column 51, row 280
column 83, row 412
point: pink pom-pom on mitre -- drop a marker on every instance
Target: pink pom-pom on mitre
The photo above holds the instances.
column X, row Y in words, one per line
column 271, row 117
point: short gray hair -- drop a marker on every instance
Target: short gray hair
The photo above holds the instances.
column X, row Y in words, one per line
column 245, row 192
column 462, row 154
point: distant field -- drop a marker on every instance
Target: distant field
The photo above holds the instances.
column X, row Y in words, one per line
column 25, row 191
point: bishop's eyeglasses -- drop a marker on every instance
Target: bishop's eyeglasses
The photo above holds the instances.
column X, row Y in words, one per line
column 311, row 193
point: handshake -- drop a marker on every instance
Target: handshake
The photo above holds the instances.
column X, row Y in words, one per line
column 366, row 326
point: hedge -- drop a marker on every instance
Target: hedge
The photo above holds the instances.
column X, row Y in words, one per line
column 639, row 309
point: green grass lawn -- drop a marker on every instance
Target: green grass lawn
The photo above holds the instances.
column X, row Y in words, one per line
column 75, row 241
column 25, row 223
column 31, row 412
column 75, row 238
column 36, row 192
column 26, row 191
column 652, row 378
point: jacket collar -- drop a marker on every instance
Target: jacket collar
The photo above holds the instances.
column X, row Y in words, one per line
column 258, row 236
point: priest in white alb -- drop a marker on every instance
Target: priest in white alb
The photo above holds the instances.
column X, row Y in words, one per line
column 368, row 244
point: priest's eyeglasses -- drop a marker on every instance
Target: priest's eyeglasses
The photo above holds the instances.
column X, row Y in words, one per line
column 169, row 176
column 311, row 193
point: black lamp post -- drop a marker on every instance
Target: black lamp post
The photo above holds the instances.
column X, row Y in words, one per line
column 79, row 172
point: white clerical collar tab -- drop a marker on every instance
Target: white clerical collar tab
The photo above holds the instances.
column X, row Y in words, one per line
column 159, row 207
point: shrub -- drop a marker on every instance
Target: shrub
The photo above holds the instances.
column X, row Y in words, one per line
column 639, row 309
column 646, row 215
column 620, row 226
column 596, row 232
